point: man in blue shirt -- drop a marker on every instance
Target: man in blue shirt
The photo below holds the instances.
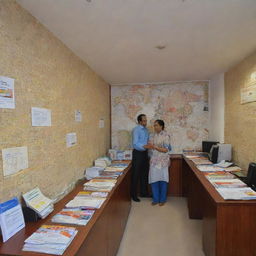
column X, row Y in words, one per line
column 140, row 162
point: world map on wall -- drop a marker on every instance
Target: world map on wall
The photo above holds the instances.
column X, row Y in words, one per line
column 183, row 107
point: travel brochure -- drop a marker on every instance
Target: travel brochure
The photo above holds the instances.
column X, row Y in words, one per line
column 51, row 239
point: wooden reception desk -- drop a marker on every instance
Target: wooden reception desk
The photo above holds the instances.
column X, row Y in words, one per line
column 100, row 237
column 229, row 227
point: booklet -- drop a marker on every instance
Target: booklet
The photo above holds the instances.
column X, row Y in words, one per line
column 11, row 218
column 51, row 239
column 73, row 216
column 237, row 193
column 35, row 200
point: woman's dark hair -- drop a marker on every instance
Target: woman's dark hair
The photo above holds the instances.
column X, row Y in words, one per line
column 139, row 118
column 161, row 123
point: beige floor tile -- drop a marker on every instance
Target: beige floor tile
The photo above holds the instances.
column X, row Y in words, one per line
column 161, row 231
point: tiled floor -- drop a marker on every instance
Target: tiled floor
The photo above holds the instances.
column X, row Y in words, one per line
column 161, row 231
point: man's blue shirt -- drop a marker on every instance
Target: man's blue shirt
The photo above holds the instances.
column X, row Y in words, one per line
column 140, row 137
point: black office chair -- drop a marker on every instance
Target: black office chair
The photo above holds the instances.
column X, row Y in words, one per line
column 250, row 180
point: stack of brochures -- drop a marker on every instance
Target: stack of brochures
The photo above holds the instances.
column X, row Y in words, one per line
column 92, row 194
column 93, row 172
column 120, row 154
column 237, row 193
column 102, row 162
column 115, row 169
column 218, row 175
column 209, row 168
column 41, row 204
column 104, row 185
column 110, row 175
column 203, row 161
column 228, row 183
column 51, row 239
column 86, row 202
column 73, row 216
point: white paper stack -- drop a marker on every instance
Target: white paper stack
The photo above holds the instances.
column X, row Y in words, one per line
column 228, row 183
column 51, row 239
column 41, row 204
column 237, row 193
column 102, row 162
column 105, row 185
column 92, row 194
column 93, row 172
column 86, row 202
column 209, row 168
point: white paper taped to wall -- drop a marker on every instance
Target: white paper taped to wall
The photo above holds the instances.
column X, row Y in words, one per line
column 14, row 160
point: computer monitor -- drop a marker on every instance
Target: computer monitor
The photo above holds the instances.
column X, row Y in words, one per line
column 207, row 145
column 251, row 176
column 220, row 152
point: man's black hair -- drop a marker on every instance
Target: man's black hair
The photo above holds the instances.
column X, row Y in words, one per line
column 139, row 118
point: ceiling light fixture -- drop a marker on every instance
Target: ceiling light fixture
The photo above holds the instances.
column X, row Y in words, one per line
column 160, row 47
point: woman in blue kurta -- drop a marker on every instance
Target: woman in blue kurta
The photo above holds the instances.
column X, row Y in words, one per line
column 159, row 163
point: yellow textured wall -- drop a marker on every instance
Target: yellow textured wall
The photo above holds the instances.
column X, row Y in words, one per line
column 240, row 120
column 48, row 75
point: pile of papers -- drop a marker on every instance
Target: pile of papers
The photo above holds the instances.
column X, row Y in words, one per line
column 120, row 154
column 218, row 175
column 203, row 161
column 86, row 202
column 41, row 204
column 92, row 194
column 102, row 162
column 237, row 193
column 228, row 183
column 51, row 239
column 110, row 175
column 104, row 185
column 209, row 168
column 93, row 172
column 73, row 216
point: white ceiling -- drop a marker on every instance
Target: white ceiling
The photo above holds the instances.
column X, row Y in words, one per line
column 118, row 38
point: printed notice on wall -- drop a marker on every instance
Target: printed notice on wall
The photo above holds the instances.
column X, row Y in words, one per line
column 248, row 94
column 41, row 117
column 101, row 123
column 78, row 116
column 14, row 160
column 7, row 92
column 71, row 139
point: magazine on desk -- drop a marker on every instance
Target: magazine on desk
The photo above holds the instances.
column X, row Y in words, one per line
column 237, row 193
column 73, row 216
column 228, row 183
column 51, row 239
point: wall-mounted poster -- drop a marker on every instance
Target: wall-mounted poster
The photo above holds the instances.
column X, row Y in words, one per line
column 7, row 92
column 41, row 117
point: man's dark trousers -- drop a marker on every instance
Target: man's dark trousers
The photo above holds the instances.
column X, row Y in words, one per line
column 140, row 168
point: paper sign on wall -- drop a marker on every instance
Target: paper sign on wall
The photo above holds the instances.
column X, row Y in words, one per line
column 248, row 94
column 14, row 160
column 101, row 123
column 78, row 116
column 71, row 139
column 41, row 117
column 7, row 92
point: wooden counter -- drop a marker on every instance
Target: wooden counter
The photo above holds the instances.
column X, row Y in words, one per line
column 100, row 237
column 229, row 226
